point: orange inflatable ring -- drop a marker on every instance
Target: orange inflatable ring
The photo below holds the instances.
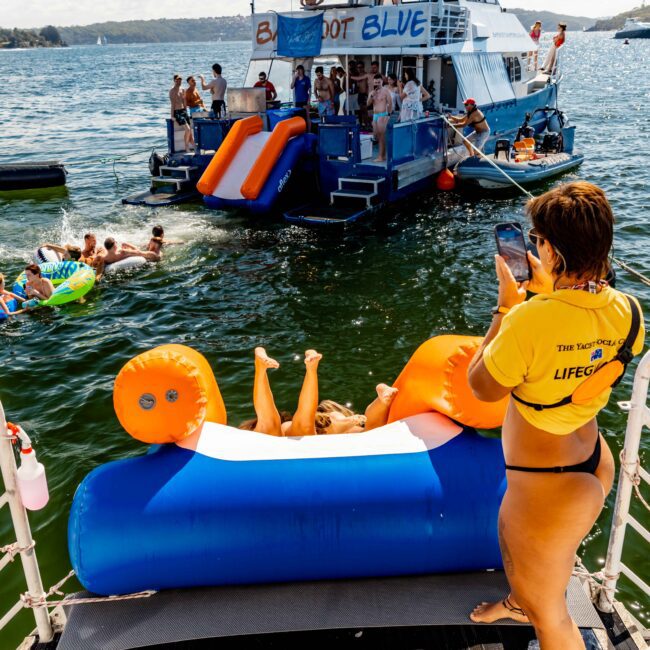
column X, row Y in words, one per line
column 166, row 394
column 435, row 379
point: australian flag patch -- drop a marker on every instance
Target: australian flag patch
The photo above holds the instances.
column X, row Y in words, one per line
column 596, row 355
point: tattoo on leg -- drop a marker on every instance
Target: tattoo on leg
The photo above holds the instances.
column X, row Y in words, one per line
column 508, row 564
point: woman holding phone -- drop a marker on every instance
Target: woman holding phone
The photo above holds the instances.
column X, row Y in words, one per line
column 551, row 354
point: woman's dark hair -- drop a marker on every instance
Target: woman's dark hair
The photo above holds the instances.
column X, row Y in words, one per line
column 33, row 268
column 562, row 26
column 217, row 68
column 409, row 75
column 393, row 76
column 74, row 252
column 577, row 220
column 157, row 231
column 249, row 425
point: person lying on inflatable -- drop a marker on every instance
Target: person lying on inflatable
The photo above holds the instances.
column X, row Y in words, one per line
column 311, row 417
column 114, row 252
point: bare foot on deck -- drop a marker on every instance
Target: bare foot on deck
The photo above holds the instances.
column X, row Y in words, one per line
column 312, row 358
column 379, row 160
column 490, row 612
column 264, row 360
column 386, row 394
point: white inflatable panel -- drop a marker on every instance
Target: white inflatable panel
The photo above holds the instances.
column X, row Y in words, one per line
column 123, row 265
column 229, row 186
column 43, row 255
column 409, row 436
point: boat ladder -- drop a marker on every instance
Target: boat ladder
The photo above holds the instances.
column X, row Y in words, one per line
column 363, row 189
column 631, row 478
column 24, row 544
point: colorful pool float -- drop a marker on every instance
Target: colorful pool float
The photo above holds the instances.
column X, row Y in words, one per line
column 71, row 280
column 215, row 505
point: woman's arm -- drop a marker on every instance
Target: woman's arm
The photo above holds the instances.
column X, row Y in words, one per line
column 511, row 293
column 426, row 96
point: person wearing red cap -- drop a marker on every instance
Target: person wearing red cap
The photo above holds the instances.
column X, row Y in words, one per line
column 473, row 117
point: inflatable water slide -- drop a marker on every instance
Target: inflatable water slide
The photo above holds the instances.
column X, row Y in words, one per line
column 253, row 167
column 210, row 504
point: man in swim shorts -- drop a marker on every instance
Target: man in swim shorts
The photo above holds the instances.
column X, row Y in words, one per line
column 179, row 111
column 364, row 81
column 324, row 91
column 381, row 102
column 473, row 117
column 217, row 88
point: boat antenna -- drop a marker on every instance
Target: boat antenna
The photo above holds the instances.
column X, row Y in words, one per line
column 253, row 7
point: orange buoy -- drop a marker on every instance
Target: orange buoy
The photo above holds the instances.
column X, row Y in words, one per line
column 446, row 181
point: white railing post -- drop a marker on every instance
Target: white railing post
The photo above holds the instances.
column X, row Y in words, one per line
column 637, row 418
column 23, row 533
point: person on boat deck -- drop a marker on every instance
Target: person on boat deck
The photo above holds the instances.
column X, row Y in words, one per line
column 301, row 86
column 6, row 296
column 473, row 117
column 559, row 468
column 37, row 287
column 114, row 253
column 558, row 41
column 393, row 87
column 338, row 88
column 324, row 92
column 535, row 35
column 90, row 249
column 263, row 82
column 67, row 252
column 364, row 82
column 179, row 111
column 311, row 417
column 217, row 88
column 193, row 97
column 381, row 102
column 412, row 94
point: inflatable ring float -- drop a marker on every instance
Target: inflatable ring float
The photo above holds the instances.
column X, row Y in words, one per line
column 215, row 505
column 71, row 280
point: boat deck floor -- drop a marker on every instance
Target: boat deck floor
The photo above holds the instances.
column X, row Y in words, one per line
column 401, row 612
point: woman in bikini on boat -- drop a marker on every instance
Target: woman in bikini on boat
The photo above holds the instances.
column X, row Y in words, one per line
column 311, row 417
column 558, row 466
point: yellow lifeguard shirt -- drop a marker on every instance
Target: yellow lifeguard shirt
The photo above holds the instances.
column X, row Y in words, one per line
column 549, row 345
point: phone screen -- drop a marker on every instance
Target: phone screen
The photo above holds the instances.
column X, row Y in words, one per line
column 512, row 247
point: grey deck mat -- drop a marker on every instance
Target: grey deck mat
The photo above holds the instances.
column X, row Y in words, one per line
column 183, row 615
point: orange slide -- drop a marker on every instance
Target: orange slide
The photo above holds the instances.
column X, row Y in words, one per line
column 237, row 135
column 282, row 133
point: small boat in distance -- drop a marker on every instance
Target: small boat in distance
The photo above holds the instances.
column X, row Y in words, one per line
column 634, row 28
column 102, row 40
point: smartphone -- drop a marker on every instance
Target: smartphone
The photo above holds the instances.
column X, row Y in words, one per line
column 511, row 245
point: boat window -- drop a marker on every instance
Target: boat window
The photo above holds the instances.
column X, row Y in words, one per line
column 514, row 68
column 483, row 76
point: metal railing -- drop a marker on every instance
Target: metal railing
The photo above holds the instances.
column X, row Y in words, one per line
column 24, row 544
column 631, row 477
column 449, row 24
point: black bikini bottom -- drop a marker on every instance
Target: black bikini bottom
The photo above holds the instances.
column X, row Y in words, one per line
column 588, row 466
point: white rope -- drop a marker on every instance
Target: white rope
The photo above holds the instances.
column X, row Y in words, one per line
column 594, row 579
column 42, row 601
column 629, row 269
column 634, row 476
column 11, row 550
column 502, row 171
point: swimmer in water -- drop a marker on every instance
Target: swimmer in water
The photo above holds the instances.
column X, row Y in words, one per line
column 156, row 243
column 67, row 252
column 311, row 417
column 37, row 287
column 114, row 252
column 90, row 249
column 6, row 296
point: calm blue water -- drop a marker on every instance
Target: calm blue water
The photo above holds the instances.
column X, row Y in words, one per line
column 366, row 300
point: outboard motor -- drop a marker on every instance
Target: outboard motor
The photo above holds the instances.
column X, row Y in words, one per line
column 156, row 161
column 552, row 143
column 525, row 131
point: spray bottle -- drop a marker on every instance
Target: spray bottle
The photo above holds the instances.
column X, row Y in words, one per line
column 32, row 483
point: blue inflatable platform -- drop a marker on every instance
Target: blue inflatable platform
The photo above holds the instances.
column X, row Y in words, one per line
column 227, row 506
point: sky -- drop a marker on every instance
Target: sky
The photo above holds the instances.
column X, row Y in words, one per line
column 36, row 13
